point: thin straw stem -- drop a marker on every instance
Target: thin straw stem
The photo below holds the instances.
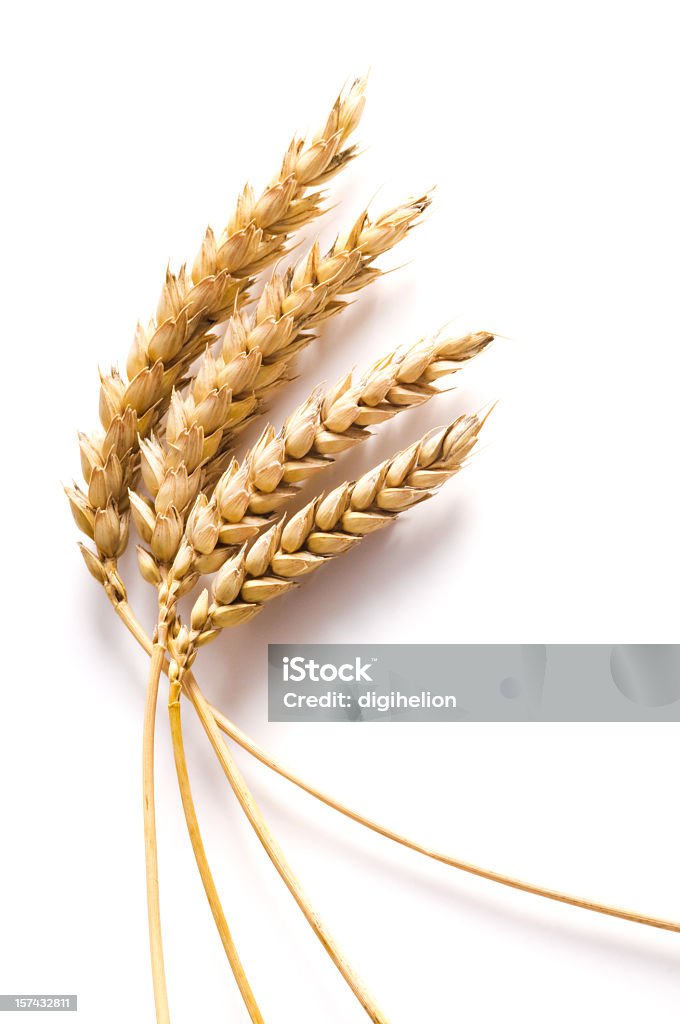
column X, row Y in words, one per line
column 201, row 858
column 150, row 842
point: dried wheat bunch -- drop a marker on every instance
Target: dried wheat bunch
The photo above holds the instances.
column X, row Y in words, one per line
column 201, row 512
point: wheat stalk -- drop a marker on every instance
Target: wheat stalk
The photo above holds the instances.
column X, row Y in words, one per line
column 150, row 841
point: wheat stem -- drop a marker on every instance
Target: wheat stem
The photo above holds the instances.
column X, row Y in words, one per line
column 273, row 850
column 201, row 858
column 150, row 841
column 131, row 622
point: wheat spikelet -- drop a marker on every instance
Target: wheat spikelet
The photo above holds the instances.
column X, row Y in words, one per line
column 190, row 304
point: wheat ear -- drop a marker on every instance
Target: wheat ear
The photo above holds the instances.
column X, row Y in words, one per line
column 325, row 528
column 191, row 304
column 327, row 424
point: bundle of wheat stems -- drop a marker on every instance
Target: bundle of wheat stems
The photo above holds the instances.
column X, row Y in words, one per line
column 196, row 375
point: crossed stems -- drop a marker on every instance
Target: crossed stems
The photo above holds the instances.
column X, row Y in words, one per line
column 213, row 721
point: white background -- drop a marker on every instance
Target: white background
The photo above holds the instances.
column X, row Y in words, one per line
column 551, row 131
